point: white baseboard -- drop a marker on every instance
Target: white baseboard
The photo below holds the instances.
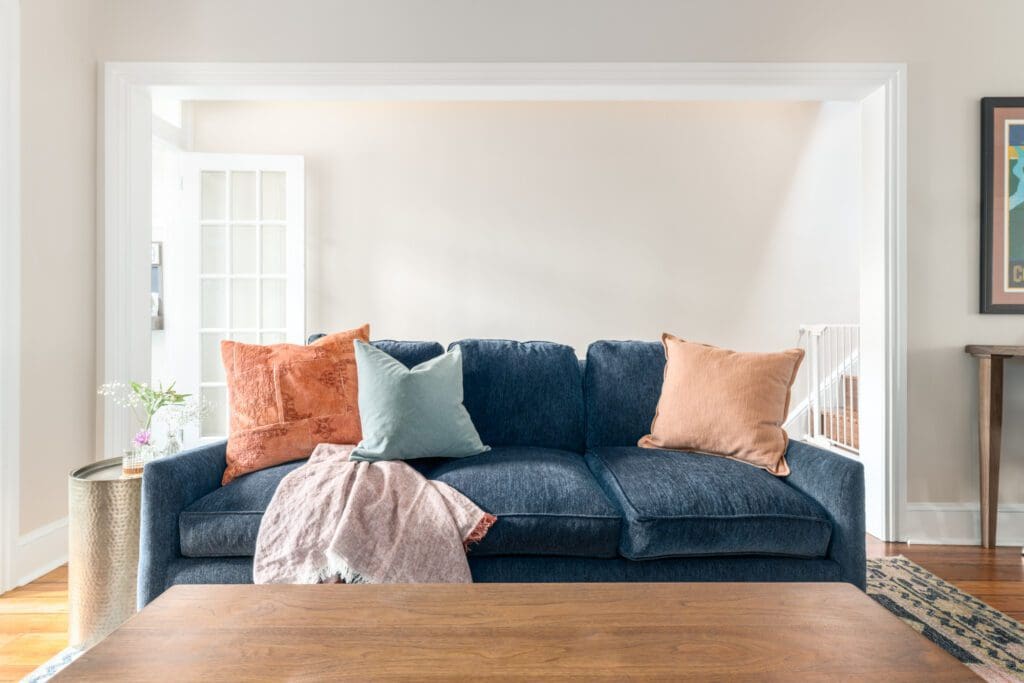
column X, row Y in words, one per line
column 40, row 551
column 960, row 524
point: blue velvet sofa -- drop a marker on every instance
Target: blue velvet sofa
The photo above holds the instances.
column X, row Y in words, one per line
column 576, row 500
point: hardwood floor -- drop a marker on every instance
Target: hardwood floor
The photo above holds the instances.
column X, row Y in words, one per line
column 33, row 624
column 34, row 619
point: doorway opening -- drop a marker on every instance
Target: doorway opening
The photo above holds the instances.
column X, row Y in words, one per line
column 875, row 92
column 226, row 263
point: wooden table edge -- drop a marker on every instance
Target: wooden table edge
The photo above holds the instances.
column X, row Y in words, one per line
column 829, row 588
column 994, row 351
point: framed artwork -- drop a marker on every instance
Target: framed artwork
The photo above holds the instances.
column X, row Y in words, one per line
column 1002, row 205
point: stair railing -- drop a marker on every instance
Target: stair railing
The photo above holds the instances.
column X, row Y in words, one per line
column 832, row 370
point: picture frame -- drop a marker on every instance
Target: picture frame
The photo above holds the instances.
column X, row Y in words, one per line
column 1002, row 205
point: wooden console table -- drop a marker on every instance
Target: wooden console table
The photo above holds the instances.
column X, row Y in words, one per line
column 990, row 428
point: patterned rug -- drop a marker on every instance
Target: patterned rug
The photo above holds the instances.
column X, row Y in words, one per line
column 54, row 666
column 990, row 643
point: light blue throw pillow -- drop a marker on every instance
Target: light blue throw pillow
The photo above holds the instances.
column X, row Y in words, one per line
column 415, row 413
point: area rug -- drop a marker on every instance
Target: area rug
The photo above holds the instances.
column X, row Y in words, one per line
column 990, row 643
column 55, row 665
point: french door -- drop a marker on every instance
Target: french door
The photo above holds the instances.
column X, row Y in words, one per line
column 242, row 269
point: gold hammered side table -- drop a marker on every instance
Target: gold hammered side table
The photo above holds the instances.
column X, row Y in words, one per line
column 103, row 550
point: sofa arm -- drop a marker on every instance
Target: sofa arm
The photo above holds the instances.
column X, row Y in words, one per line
column 169, row 485
column 837, row 484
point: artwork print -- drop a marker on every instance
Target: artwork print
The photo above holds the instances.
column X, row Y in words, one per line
column 1002, row 202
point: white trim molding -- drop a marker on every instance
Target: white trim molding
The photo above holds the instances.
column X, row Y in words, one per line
column 126, row 126
column 883, row 312
column 895, row 269
column 960, row 523
column 10, row 285
column 505, row 81
column 123, row 266
column 40, row 551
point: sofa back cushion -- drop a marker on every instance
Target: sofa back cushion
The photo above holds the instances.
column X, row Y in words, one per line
column 523, row 393
column 621, row 386
column 408, row 353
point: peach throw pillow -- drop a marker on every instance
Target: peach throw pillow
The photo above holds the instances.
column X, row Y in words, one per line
column 285, row 399
column 722, row 402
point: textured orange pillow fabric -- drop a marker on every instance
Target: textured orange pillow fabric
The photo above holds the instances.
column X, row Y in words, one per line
column 285, row 399
column 722, row 402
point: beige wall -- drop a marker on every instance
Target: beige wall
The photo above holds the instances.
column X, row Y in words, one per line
column 58, row 273
column 568, row 221
column 957, row 52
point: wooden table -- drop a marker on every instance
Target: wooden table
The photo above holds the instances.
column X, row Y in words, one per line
column 990, row 429
column 620, row 631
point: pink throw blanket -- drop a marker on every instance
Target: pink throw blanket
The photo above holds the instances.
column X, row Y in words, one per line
column 339, row 520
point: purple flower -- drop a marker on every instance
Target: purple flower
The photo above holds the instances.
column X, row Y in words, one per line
column 142, row 438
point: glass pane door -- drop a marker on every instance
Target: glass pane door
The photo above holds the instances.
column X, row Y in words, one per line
column 248, row 242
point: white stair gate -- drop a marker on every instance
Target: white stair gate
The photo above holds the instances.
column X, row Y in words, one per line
column 832, row 371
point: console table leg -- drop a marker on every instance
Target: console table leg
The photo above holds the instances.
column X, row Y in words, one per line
column 990, row 432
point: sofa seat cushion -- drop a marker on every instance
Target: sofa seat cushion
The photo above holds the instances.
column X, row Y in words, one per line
column 546, row 500
column 686, row 504
column 225, row 523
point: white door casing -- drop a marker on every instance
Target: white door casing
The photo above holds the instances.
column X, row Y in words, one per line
column 126, row 121
column 10, row 287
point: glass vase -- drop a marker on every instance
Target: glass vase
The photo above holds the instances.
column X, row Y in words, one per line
column 132, row 463
column 134, row 460
column 173, row 443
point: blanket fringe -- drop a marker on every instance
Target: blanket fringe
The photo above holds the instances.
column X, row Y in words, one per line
column 480, row 530
column 335, row 571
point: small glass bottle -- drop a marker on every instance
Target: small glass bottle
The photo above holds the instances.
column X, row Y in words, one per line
column 173, row 444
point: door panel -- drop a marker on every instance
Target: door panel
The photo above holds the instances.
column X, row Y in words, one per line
column 241, row 269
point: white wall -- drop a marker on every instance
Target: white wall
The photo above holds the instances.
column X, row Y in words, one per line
column 730, row 223
column 956, row 53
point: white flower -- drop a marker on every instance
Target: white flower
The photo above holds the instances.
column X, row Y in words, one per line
column 120, row 394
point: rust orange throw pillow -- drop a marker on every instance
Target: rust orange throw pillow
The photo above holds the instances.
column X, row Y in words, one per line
column 285, row 399
column 722, row 402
